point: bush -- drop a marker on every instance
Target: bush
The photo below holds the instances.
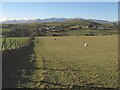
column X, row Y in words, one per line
column 90, row 35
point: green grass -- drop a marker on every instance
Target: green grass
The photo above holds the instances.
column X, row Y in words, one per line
column 84, row 31
column 68, row 62
column 5, row 30
column 20, row 39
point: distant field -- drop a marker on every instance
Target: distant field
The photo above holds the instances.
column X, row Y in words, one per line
column 97, row 32
column 20, row 39
column 67, row 61
column 16, row 38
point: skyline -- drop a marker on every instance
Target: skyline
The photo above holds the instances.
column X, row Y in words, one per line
column 32, row 10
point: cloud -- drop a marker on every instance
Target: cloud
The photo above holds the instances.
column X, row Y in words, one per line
column 2, row 19
column 5, row 19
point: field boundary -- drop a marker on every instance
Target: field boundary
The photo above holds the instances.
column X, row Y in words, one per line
column 13, row 63
column 13, row 44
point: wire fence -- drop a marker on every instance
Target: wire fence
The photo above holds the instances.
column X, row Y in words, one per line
column 9, row 44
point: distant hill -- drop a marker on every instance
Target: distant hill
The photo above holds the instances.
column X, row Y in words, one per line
column 35, row 20
column 100, row 21
column 54, row 20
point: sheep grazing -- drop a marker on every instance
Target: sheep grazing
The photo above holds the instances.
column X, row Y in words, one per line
column 86, row 44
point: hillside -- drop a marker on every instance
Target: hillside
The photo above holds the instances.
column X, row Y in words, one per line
column 53, row 19
column 67, row 28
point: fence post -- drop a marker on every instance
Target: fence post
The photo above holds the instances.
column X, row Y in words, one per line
column 19, row 43
column 15, row 44
column 5, row 44
column 10, row 44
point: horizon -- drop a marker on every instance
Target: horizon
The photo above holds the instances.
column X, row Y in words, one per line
column 7, row 19
column 41, row 10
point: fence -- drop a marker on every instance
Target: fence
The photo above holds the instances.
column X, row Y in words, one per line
column 9, row 44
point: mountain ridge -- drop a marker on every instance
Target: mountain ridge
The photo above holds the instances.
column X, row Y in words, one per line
column 52, row 20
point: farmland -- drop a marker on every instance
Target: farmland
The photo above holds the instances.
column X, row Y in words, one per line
column 95, row 32
column 66, row 62
column 58, row 58
column 22, row 39
column 13, row 40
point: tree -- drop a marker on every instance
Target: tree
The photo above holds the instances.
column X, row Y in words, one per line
column 42, row 31
column 93, row 25
column 18, row 32
column 90, row 26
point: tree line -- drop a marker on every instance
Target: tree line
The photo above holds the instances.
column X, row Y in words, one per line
column 40, row 29
column 25, row 30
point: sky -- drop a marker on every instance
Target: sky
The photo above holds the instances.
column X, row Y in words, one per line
column 60, row 0
column 31, row 10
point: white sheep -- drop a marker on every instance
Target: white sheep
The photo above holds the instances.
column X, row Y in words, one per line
column 85, row 44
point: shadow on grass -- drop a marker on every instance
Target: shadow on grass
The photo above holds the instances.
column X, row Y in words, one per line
column 52, row 69
column 20, row 62
column 15, row 64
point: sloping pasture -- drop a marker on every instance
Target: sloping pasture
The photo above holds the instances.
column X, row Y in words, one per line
column 65, row 60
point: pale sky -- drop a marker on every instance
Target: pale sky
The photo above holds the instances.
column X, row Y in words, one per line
column 31, row 10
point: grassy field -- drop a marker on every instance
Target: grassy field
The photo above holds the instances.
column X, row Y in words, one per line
column 67, row 62
column 20, row 39
column 82, row 32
